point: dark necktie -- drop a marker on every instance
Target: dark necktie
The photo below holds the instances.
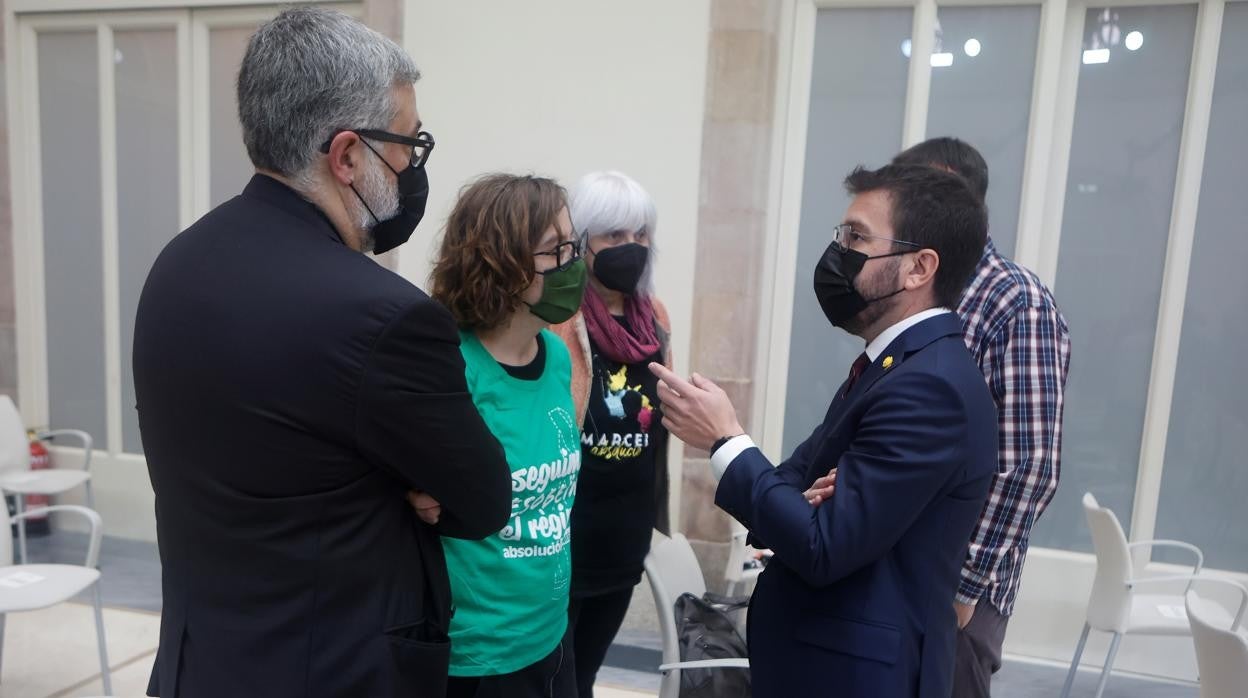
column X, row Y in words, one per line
column 855, row 372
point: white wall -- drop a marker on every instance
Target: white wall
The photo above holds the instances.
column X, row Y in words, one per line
column 560, row 88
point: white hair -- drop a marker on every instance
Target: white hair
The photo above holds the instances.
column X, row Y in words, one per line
column 606, row 201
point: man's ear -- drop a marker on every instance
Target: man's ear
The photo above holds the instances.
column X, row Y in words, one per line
column 923, row 270
column 344, row 157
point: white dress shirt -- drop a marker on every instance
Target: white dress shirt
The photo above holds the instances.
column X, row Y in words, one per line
column 885, row 338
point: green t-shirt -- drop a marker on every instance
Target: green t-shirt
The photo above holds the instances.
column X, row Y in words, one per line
column 511, row 589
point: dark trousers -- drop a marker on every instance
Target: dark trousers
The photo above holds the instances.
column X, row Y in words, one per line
column 550, row 677
column 979, row 652
column 593, row 622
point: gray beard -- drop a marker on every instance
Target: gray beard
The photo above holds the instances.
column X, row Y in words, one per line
column 374, row 187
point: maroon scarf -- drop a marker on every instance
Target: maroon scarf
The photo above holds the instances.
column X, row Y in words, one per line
column 628, row 346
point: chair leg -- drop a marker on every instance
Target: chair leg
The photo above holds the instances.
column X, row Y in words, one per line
column 90, row 495
column 21, row 529
column 99, row 634
column 669, row 686
column 2, row 617
column 1109, row 664
column 1074, row 663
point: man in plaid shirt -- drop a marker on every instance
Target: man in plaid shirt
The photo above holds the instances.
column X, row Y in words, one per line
column 1020, row 341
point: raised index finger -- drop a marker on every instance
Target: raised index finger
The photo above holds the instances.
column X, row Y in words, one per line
column 675, row 382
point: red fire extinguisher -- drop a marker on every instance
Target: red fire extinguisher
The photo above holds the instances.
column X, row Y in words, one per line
column 40, row 459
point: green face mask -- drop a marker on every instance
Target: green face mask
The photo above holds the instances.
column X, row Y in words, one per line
column 562, row 291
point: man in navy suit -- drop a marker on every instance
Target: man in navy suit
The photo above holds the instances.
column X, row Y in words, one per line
column 871, row 515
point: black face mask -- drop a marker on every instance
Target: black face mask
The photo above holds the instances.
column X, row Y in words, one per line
column 834, row 283
column 619, row 268
column 413, row 195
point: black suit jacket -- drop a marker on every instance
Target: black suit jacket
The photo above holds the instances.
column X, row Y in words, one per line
column 290, row 392
column 858, row 601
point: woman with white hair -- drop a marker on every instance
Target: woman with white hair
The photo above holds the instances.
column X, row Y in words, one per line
column 623, row 485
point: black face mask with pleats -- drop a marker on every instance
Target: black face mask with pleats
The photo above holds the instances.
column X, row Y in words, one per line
column 620, row 268
column 413, row 195
column 834, row 283
column 413, row 189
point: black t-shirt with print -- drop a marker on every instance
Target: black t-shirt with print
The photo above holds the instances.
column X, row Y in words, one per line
column 614, row 510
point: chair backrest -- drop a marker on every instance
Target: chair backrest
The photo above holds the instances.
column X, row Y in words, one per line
column 672, row 569
column 1221, row 652
column 738, row 553
column 14, row 446
column 1109, row 606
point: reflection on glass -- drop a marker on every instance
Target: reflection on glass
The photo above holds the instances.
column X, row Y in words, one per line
column 1208, row 433
column 72, row 236
column 147, row 181
column 1123, row 158
column 856, row 65
column 985, row 99
column 230, row 166
column 1105, row 36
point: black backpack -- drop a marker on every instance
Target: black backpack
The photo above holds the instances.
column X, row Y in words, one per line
column 705, row 630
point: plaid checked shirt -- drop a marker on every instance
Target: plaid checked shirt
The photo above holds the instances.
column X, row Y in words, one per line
column 1021, row 343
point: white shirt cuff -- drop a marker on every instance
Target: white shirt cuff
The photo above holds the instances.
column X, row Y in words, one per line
column 722, row 458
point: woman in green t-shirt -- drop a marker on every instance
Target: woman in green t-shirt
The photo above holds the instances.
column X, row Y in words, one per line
column 508, row 267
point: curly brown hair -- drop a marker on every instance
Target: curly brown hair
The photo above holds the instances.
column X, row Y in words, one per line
column 486, row 258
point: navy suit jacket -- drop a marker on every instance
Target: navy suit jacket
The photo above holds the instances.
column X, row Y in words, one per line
column 858, row 600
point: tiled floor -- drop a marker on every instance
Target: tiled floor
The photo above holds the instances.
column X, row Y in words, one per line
column 1026, row 679
column 52, row 653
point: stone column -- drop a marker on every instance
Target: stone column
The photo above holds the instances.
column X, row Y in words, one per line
column 736, row 154
column 8, row 330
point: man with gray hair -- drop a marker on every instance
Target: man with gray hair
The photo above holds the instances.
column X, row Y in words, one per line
column 307, row 426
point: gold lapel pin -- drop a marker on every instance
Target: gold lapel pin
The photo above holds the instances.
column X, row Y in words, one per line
column 888, row 362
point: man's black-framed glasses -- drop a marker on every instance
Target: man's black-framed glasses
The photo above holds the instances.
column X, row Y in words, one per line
column 845, row 233
column 564, row 253
column 422, row 144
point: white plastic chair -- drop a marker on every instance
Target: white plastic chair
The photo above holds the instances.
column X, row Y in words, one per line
column 1221, row 648
column 1114, row 606
column 16, row 477
column 738, row 555
column 672, row 569
column 32, row 587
